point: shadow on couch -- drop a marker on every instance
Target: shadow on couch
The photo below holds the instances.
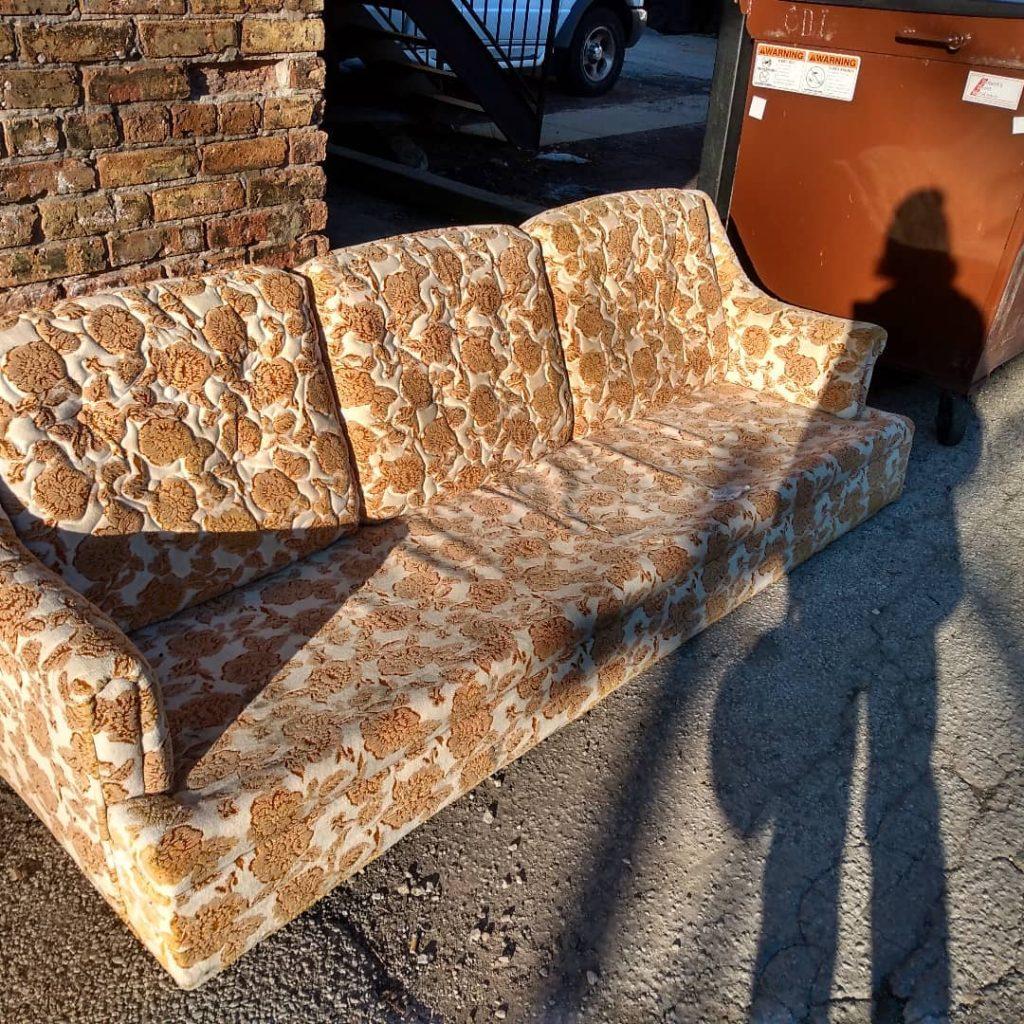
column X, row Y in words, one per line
column 264, row 622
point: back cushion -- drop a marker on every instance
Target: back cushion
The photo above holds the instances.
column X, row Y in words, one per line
column 446, row 356
column 636, row 298
column 164, row 444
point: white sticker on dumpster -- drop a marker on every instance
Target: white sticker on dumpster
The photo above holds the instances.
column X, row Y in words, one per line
column 810, row 72
column 993, row 90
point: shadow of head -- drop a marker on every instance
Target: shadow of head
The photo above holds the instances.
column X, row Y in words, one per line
column 917, row 240
column 932, row 325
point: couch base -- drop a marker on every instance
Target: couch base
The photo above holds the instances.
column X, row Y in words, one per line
column 196, row 933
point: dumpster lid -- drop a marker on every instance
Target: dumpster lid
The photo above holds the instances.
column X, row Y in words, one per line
column 964, row 8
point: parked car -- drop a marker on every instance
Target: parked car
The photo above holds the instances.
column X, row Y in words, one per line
column 591, row 36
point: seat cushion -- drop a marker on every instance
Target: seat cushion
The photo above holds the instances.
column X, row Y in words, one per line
column 321, row 713
column 726, row 458
column 447, row 360
column 637, row 301
column 167, row 443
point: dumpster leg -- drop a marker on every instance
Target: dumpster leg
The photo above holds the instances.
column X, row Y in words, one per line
column 951, row 417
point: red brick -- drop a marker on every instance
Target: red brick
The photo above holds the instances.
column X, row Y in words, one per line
column 145, row 123
column 125, row 276
column 90, row 130
column 136, row 167
column 193, row 120
column 42, row 89
column 164, row 7
column 36, row 6
column 33, row 296
column 32, row 136
column 280, row 224
column 256, row 6
column 247, row 228
column 93, row 189
column 132, row 209
column 307, row 146
column 289, row 111
column 287, row 185
column 134, row 83
column 187, row 38
column 201, row 199
column 289, row 254
column 50, row 261
column 77, row 216
column 190, row 265
column 265, row 35
column 240, row 118
column 74, row 41
column 225, row 259
column 150, row 243
column 316, row 216
column 244, row 155
column 19, row 182
column 17, row 224
column 256, row 77
column 306, row 73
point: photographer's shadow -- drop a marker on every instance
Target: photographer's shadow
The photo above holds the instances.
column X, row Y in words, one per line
column 789, row 734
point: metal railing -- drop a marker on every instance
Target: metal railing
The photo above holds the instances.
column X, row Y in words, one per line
column 518, row 34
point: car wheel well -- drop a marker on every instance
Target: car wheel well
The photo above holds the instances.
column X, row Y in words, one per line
column 623, row 10
column 618, row 7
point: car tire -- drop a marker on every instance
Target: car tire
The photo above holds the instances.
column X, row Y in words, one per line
column 592, row 63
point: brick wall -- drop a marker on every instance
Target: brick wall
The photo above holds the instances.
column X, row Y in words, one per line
column 155, row 138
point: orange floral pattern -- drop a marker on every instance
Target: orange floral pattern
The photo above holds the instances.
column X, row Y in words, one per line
column 651, row 298
column 81, row 721
column 162, row 446
column 318, row 714
column 638, row 304
column 446, row 358
column 822, row 362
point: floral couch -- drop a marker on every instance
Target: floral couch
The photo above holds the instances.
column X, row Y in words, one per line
column 291, row 561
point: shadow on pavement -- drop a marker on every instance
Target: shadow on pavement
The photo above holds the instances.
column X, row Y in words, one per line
column 786, row 734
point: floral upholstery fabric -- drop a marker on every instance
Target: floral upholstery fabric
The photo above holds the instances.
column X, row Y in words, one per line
column 81, row 723
column 646, row 305
column 446, row 358
column 320, row 714
column 823, row 362
column 163, row 445
column 723, row 461
column 172, row 451
column 638, row 304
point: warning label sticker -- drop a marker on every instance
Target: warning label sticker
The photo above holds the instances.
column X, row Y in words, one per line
column 810, row 72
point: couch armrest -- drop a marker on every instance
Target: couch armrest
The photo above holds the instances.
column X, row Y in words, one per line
column 81, row 723
column 807, row 358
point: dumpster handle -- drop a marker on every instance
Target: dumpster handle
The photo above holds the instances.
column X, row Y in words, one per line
column 951, row 43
